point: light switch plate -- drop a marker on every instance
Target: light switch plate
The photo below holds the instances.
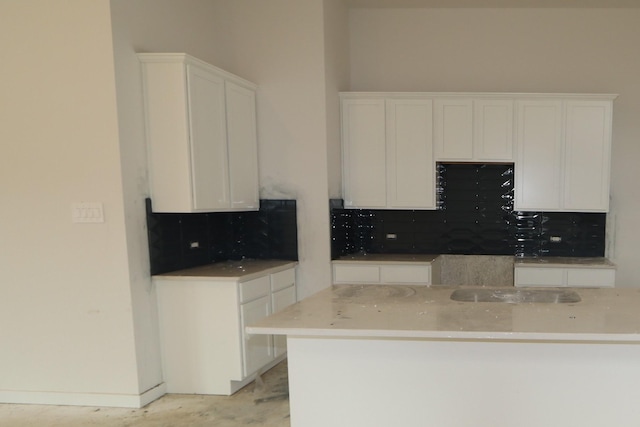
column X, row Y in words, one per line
column 83, row 212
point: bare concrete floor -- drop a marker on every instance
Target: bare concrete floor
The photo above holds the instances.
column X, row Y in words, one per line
column 264, row 402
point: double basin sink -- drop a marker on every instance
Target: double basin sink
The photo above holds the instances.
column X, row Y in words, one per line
column 516, row 296
column 504, row 295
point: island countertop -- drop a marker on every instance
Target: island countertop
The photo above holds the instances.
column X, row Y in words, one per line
column 610, row 315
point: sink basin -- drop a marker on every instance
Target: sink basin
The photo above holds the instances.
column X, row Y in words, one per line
column 374, row 291
column 515, row 296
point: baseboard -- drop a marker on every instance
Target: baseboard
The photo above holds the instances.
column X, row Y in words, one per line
column 83, row 399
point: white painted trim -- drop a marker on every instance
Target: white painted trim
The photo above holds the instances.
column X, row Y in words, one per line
column 492, row 95
column 188, row 59
column 83, row 399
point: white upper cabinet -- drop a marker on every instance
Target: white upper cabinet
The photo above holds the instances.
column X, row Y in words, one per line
column 388, row 153
column 454, row 129
column 587, row 155
column 243, row 153
column 364, row 153
column 201, row 134
column 560, row 145
column 539, row 163
column 493, row 130
column 564, row 153
column 410, row 165
column 473, row 129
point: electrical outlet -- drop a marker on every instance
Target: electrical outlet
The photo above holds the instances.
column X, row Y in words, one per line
column 83, row 212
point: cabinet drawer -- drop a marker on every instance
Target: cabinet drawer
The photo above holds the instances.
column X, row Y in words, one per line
column 591, row 278
column 405, row 274
column 356, row 274
column 253, row 289
column 532, row 276
column 283, row 298
column 283, row 279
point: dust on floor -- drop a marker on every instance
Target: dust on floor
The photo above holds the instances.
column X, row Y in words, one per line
column 265, row 402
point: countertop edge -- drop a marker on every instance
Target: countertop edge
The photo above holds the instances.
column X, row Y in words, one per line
column 447, row 335
column 222, row 278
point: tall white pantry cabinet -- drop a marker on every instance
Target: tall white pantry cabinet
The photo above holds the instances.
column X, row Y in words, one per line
column 560, row 145
column 201, row 136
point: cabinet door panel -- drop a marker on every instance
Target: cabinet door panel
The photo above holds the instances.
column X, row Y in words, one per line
column 254, row 288
column 364, row 153
column 257, row 349
column 587, row 157
column 591, row 278
column 539, row 158
column 493, row 129
column 416, row 274
column 356, row 273
column 243, row 146
column 532, row 276
column 283, row 279
column 453, row 129
column 410, row 163
column 281, row 299
column 207, row 125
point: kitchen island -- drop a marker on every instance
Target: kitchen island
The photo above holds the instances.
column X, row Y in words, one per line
column 411, row 356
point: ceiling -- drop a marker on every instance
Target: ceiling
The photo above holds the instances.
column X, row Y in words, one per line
column 493, row 3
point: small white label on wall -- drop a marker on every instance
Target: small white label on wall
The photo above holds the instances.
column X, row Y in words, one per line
column 83, row 212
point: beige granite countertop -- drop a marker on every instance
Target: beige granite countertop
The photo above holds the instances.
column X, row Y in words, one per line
column 429, row 313
column 587, row 262
column 245, row 269
column 390, row 258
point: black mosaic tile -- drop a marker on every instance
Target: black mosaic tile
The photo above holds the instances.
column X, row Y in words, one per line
column 268, row 233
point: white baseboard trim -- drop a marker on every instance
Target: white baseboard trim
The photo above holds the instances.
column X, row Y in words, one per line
column 83, row 399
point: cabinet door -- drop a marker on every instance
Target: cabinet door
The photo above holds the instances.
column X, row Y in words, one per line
column 493, row 129
column 257, row 349
column 279, row 300
column 283, row 279
column 242, row 146
column 399, row 274
column 453, row 129
column 538, row 183
column 591, row 277
column 410, row 163
column 536, row 276
column 587, row 155
column 207, row 128
column 364, row 153
column 345, row 273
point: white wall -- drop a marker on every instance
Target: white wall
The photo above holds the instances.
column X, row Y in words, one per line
column 279, row 44
column 148, row 26
column 336, row 36
column 66, row 309
column 518, row 50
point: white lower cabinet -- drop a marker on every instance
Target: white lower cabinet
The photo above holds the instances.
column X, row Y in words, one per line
column 575, row 277
column 202, row 320
column 386, row 274
column 258, row 349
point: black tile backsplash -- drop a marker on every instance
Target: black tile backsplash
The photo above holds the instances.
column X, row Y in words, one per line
column 270, row 233
column 475, row 216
